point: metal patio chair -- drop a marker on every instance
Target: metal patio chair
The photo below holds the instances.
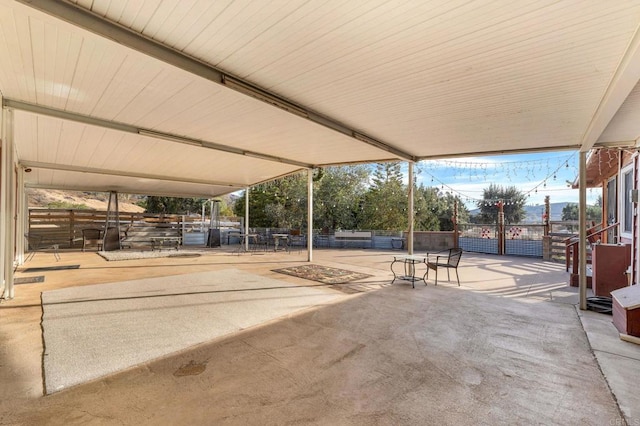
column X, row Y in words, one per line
column 448, row 259
column 91, row 237
column 35, row 244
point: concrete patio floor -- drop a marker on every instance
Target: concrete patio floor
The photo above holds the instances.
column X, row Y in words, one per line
column 507, row 347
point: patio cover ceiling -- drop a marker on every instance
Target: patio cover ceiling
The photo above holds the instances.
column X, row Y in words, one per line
column 202, row 98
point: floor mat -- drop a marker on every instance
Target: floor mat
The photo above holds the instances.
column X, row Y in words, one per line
column 51, row 268
column 323, row 274
column 92, row 331
column 119, row 255
column 29, row 280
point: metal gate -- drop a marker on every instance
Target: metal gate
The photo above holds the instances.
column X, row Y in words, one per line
column 478, row 238
column 518, row 240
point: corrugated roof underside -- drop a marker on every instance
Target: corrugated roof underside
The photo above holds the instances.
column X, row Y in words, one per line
column 60, row 143
column 83, row 181
column 432, row 78
column 59, row 66
column 437, row 78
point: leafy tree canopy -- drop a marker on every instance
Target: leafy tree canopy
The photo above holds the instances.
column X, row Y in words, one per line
column 513, row 204
column 173, row 205
column 571, row 212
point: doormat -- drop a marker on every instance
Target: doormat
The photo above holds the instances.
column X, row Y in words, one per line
column 51, row 268
column 29, row 280
column 323, row 274
column 119, row 255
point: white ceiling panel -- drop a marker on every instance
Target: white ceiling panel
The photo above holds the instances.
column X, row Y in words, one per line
column 46, row 142
column 79, row 181
column 624, row 125
column 422, row 79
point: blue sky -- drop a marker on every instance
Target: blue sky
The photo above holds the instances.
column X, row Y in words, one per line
column 537, row 175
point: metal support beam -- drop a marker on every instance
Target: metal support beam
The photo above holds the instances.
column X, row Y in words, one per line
column 528, row 150
column 93, row 23
column 3, row 202
column 127, row 128
column 22, row 217
column 410, row 195
column 7, row 205
column 69, row 168
column 246, row 218
column 310, row 215
column 582, row 244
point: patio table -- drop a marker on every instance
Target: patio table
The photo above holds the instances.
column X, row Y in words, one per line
column 251, row 239
column 409, row 261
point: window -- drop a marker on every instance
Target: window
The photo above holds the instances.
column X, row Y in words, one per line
column 626, row 206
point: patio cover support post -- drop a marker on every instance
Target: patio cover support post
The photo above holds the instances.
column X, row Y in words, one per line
column 410, row 218
column 7, row 205
column 582, row 244
column 246, row 218
column 21, row 217
column 309, row 215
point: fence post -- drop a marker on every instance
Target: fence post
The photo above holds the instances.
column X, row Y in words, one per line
column 546, row 238
column 72, row 228
column 545, row 217
column 456, row 235
column 501, row 230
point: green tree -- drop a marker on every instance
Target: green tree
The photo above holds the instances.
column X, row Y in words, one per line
column 386, row 202
column 571, row 212
column 434, row 209
column 446, row 210
column 426, row 209
column 172, row 205
column 225, row 209
column 338, row 197
column 513, row 204
column 277, row 204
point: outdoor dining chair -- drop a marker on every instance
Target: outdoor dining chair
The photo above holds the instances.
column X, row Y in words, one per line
column 92, row 237
column 35, row 244
column 448, row 259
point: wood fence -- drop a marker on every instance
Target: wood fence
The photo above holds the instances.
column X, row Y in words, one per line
column 64, row 226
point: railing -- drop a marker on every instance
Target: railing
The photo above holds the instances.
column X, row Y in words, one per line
column 64, row 227
column 571, row 246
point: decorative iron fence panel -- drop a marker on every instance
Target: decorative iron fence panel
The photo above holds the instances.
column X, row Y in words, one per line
column 478, row 238
column 524, row 240
column 520, row 240
column 523, row 248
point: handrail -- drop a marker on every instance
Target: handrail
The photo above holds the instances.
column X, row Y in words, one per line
column 566, row 240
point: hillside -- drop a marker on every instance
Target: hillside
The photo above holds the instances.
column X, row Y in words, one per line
column 48, row 198
column 90, row 200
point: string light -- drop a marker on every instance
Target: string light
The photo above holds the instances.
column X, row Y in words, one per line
column 455, row 169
